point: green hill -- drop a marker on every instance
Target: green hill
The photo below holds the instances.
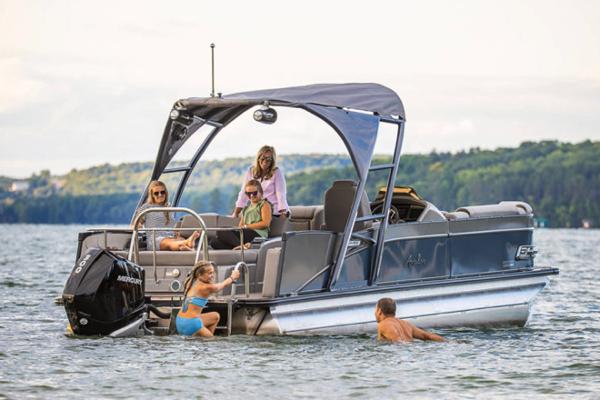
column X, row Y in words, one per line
column 560, row 180
column 133, row 177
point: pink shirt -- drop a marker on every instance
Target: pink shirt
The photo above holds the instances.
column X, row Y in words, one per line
column 274, row 190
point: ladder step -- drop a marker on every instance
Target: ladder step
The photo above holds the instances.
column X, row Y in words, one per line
column 370, row 217
column 381, row 166
column 176, row 169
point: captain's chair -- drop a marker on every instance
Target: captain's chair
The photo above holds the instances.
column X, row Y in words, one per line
column 338, row 202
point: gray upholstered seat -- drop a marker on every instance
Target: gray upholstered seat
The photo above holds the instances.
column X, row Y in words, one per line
column 278, row 226
column 502, row 209
column 305, row 218
column 181, row 258
column 211, row 220
column 338, row 203
column 302, row 218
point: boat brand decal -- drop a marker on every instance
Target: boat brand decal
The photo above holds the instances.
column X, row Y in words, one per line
column 526, row 252
column 413, row 261
column 128, row 279
column 82, row 263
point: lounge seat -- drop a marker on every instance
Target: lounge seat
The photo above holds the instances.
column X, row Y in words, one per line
column 183, row 258
column 502, row 209
column 302, row 218
column 211, row 220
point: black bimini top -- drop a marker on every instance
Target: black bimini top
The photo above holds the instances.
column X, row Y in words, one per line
column 370, row 97
column 336, row 104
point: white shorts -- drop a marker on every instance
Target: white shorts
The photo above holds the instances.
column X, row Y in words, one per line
column 157, row 241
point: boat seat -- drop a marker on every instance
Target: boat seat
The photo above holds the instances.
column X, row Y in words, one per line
column 502, row 209
column 338, row 203
column 114, row 240
column 182, row 258
column 279, row 224
column 211, row 220
column 304, row 218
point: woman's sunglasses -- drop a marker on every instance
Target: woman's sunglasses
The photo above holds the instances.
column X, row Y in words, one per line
column 159, row 193
column 252, row 194
column 269, row 159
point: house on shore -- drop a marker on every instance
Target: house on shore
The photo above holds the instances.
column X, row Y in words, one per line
column 19, row 186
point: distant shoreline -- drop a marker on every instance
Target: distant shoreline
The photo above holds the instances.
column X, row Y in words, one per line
column 560, row 180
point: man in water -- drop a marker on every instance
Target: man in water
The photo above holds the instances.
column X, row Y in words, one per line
column 393, row 329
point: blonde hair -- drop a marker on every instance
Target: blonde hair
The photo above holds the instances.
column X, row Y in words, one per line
column 199, row 269
column 257, row 171
column 150, row 198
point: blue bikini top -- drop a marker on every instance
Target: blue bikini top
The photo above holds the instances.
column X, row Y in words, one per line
column 197, row 301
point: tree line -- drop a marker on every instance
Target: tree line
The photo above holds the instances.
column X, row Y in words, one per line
column 560, row 180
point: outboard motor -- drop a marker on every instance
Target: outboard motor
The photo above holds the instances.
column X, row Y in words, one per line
column 105, row 295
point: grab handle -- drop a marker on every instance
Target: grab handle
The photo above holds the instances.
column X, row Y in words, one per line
column 244, row 267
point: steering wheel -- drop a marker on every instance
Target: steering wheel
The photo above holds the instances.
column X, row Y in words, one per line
column 393, row 215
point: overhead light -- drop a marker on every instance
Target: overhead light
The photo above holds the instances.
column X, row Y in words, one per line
column 182, row 116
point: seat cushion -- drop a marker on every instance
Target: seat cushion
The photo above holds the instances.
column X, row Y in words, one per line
column 503, row 209
column 211, row 220
column 182, row 258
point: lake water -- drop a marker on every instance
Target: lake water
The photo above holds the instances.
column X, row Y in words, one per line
column 556, row 355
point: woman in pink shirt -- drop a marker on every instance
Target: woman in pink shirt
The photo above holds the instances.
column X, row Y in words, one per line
column 271, row 179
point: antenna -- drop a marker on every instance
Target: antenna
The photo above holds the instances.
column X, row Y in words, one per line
column 212, row 57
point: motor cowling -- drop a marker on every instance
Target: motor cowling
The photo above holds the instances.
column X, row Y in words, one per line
column 104, row 293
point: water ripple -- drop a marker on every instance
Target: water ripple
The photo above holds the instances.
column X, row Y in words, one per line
column 557, row 355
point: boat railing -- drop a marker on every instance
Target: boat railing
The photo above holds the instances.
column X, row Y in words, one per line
column 134, row 248
column 133, row 253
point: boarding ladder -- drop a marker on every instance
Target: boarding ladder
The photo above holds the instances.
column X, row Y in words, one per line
column 383, row 216
column 225, row 305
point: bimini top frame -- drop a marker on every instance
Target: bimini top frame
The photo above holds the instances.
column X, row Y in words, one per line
column 353, row 110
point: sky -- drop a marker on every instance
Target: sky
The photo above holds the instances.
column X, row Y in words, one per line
column 84, row 83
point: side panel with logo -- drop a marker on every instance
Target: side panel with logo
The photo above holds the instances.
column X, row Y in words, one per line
column 488, row 252
column 415, row 251
column 487, row 245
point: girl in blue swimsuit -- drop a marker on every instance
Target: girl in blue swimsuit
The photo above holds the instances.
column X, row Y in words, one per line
column 197, row 287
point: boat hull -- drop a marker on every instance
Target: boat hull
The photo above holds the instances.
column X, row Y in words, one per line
column 479, row 303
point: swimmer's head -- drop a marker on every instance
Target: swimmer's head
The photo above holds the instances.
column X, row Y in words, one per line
column 202, row 270
column 386, row 307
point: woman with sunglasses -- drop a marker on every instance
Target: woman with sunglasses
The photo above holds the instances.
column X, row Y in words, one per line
column 255, row 220
column 158, row 196
column 271, row 180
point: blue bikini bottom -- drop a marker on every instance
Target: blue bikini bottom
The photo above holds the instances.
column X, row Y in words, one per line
column 188, row 326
